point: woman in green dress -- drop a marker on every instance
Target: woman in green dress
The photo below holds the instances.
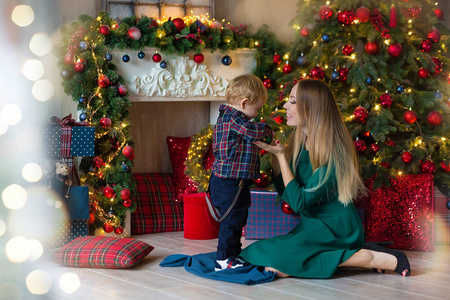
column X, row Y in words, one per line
column 317, row 174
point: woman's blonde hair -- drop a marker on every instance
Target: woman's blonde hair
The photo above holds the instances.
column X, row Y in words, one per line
column 245, row 86
column 329, row 142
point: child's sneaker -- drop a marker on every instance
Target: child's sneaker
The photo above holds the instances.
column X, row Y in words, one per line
column 229, row 263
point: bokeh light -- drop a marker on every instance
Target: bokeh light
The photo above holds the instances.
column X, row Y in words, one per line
column 43, row 90
column 36, row 250
column 10, row 291
column 3, row 126
column 69, row 282
column 14, row 196
column 22, row 15
column 40, row 44
column 39, row 282
column 11, row 114
column 2, row 227
column 33, row 69
column 17, row 249
column 32, row 172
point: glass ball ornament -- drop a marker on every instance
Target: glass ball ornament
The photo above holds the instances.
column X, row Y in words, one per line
column 360, row 114
column 83, row 117
column 326, row 38
column 125, row 168
column 410, row 117
column 285, row 208
column 276, row 58
column 325, row 12
column 301, row 61
column 438, row 63
column 126, row 203
column 346, row 17
column 65, row 74
column 400, row 89
column 105, row 122
column 122, row 90
column 103, row 81
column 68, row 59
column 226, row 60
column 317, row 73
column 395, row 49
column 104, row 29
column 118, row 230
column 434, row 35
column 386, row 100
column 423, row 73
column 334, row 75
column 374, row 147
column 82, row 100
column 108, row 228
column 163, row 64
column 343, row 72
column 268, row 83
column 156, row 57
column 369, row 80
column 126, row 58
column 425, row 46
column 427, row 166
column 438, row 95
column 406, row 157
column 347, row 49
column 141, row 54
column 79, row 66
column 360, row 146
column 83, row 46
column 434, row 118
column 134, row 33
column 287, row 68
column 108, row 56
column 199, row 58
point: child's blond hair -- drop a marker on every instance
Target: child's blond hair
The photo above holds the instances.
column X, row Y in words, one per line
column 245, row 86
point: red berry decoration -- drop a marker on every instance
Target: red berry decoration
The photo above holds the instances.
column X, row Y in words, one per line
column 360, row 146
column 268, row 83
column 276, row 58
column 198, row 58
column 444, row 167
column 406, row 157
column 434, row 35
column 118, row 230
column 439, row 13
column 395, row 49
column 390, row 143
column 434, row 118
column 343, row 72
column 346, row 17
column 108, row 191
column 386, row 100
column 97, row 161
column 360, row 114
column 410, row 116
column 126, row 203
column 425, row 46
column 125, row 194
column 438, row 63
column 68, row 59
column 79, row 66
column 304, row 31
column 156, row 57
column 317, row 73
column 134, row 33
column 423, row 73
column 286, row 208
column 108, row 228
column 104, row 29
column 427, row 166
column 287, row 68
column 103, row 81
column 122, row 90
column 105, row 122
column 128, row 151
column 347, row 49
column 325, row 12
column 179, row 24
column 362, row 14
column 374, row 147
column 262, row 181
column 372, row 48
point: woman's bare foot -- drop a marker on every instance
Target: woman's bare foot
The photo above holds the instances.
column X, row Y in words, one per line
column 278, row 273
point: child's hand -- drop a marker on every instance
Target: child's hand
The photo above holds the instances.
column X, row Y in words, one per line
column 275, row 147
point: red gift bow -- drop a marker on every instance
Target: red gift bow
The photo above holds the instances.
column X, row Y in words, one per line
column 67, row 120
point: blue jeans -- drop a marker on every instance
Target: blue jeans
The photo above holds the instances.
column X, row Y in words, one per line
column 222, row 193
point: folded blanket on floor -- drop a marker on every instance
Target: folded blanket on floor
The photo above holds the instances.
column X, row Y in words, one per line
column 203, row 265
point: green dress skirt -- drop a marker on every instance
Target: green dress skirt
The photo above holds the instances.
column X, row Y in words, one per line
column 328, row 234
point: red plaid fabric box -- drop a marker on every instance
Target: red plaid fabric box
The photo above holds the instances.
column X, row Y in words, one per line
column 156, row 210
column 265, row 218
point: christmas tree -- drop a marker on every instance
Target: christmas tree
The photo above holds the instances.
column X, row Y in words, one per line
column 388, row 66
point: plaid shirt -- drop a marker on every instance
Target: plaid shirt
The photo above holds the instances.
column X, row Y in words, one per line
column 235, row 154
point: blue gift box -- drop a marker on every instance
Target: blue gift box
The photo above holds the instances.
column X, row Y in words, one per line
column 265, row 217
column 80, row 143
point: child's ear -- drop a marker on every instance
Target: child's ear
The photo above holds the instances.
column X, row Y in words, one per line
column 244, row 101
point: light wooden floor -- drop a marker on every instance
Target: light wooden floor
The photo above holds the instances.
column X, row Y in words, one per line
column 430, row 279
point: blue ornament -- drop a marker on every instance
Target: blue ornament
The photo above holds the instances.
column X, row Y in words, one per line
column 326, row 38
column 83, row 117
column 301, row 61
column 400, row 89
column 126, row 58
column 82, row 100
column 226, row 60
column 83, row 46
column 163, row 64
column 91, row 169
column 108, row 56
column 438, row 95
column 141, row 54
column 125, row 168
column 334, row 75
column 369, row 80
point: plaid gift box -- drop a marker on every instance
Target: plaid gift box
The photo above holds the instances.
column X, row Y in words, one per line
column 265, row 218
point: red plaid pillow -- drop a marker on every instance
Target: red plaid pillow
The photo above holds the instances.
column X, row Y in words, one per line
column 156, row 208
column 102, row 252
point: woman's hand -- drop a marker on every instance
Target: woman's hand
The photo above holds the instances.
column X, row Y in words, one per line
column 275, row 147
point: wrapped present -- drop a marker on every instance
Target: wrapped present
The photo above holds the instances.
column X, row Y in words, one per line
column 265, row 217
column 402, row 213
column 67, row 138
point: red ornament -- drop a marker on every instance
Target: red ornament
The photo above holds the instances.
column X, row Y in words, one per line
column 108, row 228
column 346, row 17
column 287, row 68
column 91, row 219
column 268, row 83
column 153, row 23
column 386, row 100
column 438, row 63
column 285, row 208
column 103, row 81
column 125, row 194
column 79, row 66
column 439, row 13
column 108, row 192
column 198, row 58
column 128, row 151
column 406, row 157
column 362, row 14
column 347, row 49
column 434, row 35
column 118, row 230
column 262, row 181
column 278, row 119
column 343, row 72
column 360, row 146
column 156, row 57
column 105, row 122
column 374, row 147
column 410, row 116
column 427, row 166
column 325, row 12
column 360, row 114
column 304, row 31
column 122, row 90
column 423, row 73
column 434, row 118
column 317, row 73
column 97, row 162
column 276, row 58
column 134, row 33
column 68, row 59
column 425, row 46
column 372, row 48
column 104, row 29
column 444, row 167
column 395, row 49
column 179, row 24
column 126, row 203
